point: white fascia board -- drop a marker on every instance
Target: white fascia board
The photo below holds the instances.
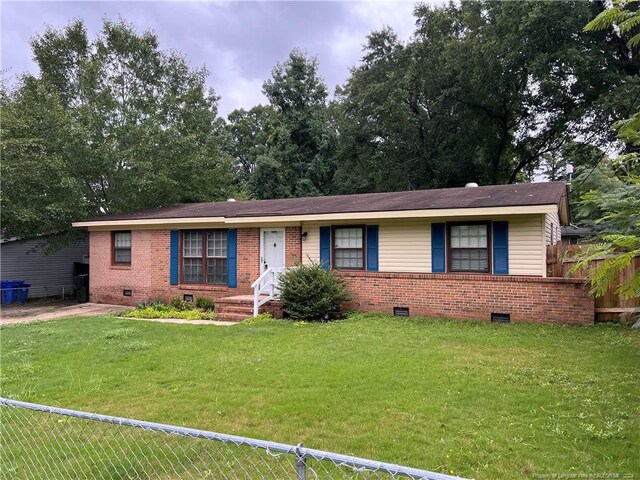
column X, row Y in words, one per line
column 150, row 222
column 293, row 219
column 440, row 213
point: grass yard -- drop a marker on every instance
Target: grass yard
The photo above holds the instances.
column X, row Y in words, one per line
column 480, row 400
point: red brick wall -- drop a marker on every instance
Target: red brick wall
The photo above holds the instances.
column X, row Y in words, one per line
column 148, row 275
column 248, row 258
column 106, row 281
column 293, row 246
column 527, row 299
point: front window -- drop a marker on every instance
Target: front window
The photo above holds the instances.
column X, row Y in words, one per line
column 204, row 256
column 348, row 248
column 469, row 248
column 122, row 248
column 217, row 256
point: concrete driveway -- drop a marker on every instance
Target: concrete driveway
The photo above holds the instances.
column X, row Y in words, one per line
column 38, row 311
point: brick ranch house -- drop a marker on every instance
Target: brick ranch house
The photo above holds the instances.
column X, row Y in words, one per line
column 473, row 252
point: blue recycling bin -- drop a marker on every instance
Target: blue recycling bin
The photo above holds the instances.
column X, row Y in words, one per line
column 14, row 291
column 21, row 292
column 7, row 292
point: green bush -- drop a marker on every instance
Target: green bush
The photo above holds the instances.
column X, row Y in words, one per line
column 311, row 293
column 204, row 303
column 178, row 304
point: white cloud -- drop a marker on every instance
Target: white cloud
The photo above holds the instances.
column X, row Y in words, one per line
column 238, row 90
column 376, row 15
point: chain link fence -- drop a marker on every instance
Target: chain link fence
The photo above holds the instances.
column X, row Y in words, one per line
column 41, row 442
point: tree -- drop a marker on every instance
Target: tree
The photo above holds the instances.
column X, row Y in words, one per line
column 109, row 125
column 622, row 21
column 251, row 134
column 476, row 95
column 618, row 199
column 299, row 159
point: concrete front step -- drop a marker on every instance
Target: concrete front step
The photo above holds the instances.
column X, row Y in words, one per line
column 233, row 317
column 236, row 309
column 240, row 307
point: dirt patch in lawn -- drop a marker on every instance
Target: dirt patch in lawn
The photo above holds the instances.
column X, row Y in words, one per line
column 43, row 310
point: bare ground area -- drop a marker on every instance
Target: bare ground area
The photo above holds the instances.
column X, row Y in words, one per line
column 48, row 309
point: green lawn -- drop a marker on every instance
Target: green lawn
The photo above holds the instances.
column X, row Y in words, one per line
column 480, row 400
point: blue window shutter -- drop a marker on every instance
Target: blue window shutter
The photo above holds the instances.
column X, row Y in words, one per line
column 372, row 248
column 325, row 247
column 174, row 265
column 501, row 248
column 232, row 258
column 438, row 248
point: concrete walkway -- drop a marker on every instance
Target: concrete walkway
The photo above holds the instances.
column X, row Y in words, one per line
column 38, row 312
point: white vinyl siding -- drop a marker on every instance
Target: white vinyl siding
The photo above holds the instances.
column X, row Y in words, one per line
column 405, row 244
column 526, row 256
column 311, row 246
column 552, row 228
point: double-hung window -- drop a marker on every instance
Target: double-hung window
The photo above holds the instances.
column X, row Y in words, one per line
column 348, row 248
column 122, row 248
column 217, row 256
column 204, row 256
column 469, row 248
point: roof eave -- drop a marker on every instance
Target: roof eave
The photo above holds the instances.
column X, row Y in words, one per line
column 272, row 219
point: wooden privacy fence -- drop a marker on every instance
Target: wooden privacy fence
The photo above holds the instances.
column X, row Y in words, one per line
column 610, row 306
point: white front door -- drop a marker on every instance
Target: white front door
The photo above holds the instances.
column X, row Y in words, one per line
column 272, row 249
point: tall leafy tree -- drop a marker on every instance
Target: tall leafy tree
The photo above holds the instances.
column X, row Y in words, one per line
column 299, row 159
column 109, row 125
column 250, row 135
column 615, row 199
column 484, row 91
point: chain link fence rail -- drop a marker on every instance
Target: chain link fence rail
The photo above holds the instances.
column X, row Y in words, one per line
column 42, row 442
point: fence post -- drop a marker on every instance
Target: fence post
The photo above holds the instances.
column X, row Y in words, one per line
column 301, row 464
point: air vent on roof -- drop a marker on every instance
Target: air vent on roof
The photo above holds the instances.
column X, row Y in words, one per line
column 231, row 199
column 471, row 185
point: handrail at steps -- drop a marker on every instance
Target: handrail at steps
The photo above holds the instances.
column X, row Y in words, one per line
column 265, row 282
column 260, row 278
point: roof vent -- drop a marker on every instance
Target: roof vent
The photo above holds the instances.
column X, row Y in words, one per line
column 471, row 185
column 231, row 199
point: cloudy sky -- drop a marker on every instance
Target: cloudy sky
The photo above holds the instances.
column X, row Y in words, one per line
column 239, row 42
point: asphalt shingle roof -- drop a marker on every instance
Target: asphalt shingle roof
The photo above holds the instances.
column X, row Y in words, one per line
column 474, row 197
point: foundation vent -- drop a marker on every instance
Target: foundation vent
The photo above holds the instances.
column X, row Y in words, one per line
column 401, row 311
column 500, row 317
